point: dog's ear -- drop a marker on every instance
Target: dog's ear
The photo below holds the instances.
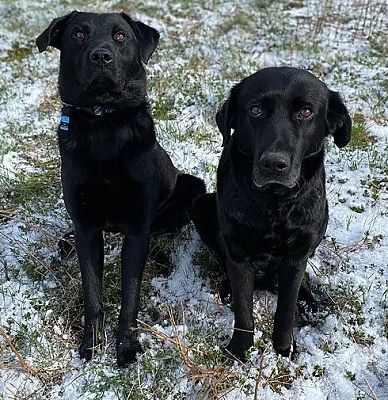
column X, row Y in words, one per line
column 338, row 120
column 51, row 36
column 147, row 37
column 224, row 118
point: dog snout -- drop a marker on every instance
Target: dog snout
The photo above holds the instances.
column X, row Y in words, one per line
column 274, row 163
column 101, row 56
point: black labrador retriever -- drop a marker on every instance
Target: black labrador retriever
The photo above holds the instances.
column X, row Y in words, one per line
column 115, row 175
column 270, row 210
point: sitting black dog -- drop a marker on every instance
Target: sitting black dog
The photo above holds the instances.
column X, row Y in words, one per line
column 115, row 175
column 270, row 211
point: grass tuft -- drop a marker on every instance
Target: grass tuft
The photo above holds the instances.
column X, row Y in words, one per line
column 360, row 139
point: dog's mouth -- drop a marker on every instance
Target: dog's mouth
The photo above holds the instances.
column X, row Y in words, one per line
column 276, row 180
column 102, row 79
column 274, row 184
column 101, row 82
column 108, row 88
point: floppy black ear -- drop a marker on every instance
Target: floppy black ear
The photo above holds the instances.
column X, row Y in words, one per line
column 224, row 118
column 147, row 37
column 51, row 36
column 338, row 119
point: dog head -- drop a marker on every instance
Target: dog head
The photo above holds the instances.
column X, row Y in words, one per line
column 102, row 58
column 280, row 117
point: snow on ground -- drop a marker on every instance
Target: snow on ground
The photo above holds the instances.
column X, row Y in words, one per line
column 205, row 48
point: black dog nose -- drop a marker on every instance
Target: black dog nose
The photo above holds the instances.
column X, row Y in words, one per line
column 101, row 56
column 275, row 162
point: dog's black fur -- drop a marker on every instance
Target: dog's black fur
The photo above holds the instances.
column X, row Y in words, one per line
column 270, row 211
column 115, row 175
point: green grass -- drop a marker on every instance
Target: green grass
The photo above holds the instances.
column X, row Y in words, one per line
column 34, row 190
column 360, row 139
column 17, row 53
column 208, row 266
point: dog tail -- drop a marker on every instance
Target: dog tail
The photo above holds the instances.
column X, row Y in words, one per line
column 174, row 213
column 203, row 213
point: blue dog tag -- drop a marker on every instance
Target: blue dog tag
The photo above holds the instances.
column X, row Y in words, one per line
column 98, row 111
column 65, row 120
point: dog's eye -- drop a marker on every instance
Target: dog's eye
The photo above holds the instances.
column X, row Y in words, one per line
column 255, row 111
column 79, row 34
column 305, row 112
column 119, row 36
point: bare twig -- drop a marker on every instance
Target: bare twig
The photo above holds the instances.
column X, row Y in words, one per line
column 214, row 379
column 44, row 375
column 259, row 376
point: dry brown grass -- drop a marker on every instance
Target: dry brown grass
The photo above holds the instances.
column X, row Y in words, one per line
column 7, row 213
column 44, row 374
column 216, row 381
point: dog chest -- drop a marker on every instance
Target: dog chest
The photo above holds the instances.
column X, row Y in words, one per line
column 108, row 193
column 270, row 232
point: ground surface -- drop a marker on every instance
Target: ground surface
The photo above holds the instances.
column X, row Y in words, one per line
column 205, row 48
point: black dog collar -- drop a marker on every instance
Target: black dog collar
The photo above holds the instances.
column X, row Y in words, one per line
column 95, row 111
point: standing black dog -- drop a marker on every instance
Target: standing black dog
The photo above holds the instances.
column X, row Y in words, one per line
column 270, row 211
column 115, row 175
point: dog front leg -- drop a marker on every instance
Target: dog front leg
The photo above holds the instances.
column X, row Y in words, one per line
column 290, row 279
column 90, row 251
column 133, row 258
column 242, row 278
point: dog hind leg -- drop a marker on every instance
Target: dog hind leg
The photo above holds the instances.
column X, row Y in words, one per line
column 174, row 214
column 204, row 216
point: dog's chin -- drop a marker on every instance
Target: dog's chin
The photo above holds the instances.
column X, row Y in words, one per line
column 100, row 83
column 103, row 91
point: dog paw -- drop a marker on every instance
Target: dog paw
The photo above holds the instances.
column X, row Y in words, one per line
column 87, row 348
column 283, row 352
column 288, row 352
column 235, row 354
column 127, row 351
column 237, row 349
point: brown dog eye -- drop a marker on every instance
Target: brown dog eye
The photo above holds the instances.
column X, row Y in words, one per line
column 255, row 111
column 119, row 36
column 305, row 113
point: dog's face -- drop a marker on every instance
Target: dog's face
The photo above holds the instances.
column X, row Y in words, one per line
column 280, row 117
column 102, row 57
